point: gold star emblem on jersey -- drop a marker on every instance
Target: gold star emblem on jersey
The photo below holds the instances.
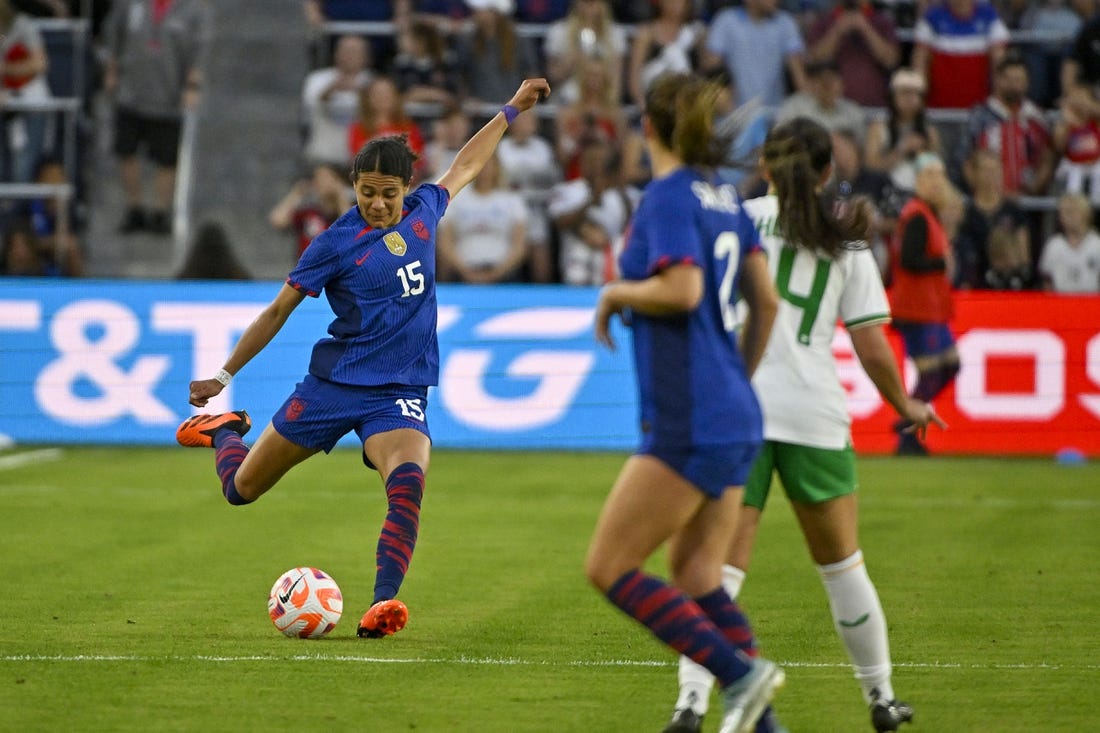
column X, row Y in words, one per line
column 395, row 243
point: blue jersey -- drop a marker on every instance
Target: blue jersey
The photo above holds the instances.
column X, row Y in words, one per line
column 691, row 378
column 380, row 283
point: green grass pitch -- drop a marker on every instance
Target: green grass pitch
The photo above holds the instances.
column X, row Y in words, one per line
column 134, row 599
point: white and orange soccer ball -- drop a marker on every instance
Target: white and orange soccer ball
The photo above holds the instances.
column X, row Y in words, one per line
column 305, row 602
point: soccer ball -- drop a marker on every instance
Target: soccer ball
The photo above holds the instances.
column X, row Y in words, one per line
column 305, row 602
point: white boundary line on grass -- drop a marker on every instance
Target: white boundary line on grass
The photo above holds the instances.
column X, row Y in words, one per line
column 18, row 460
column 489, row 661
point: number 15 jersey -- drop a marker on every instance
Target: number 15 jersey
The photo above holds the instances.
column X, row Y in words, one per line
column 380, row 283
column 693, row 389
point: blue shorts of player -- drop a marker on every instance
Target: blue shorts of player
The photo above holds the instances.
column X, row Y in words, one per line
column 320, row 412
column 712, row 468
column 924, row 339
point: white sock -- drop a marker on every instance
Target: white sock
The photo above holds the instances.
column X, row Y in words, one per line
column 695, row 680
column 861, row 624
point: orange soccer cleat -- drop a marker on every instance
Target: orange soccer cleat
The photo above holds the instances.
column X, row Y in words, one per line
column 198, row 431
column 383, row 618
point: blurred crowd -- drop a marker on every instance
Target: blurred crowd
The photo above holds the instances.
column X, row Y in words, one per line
column 1006, row 94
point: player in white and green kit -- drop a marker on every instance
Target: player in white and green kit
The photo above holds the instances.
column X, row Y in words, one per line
column 823, row 273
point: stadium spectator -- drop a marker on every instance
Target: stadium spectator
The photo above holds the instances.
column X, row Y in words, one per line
column 492, row 56
column 590, row 214
column 990, row 220
column 25, row 254
column 823, row 101
column 531, row 168
column 381, row 113
column 541, row 11
column 957, row 44
column 380, row 393
column 1077, row 142
column 684, row 484
column 587, row 32
column 1013, row 127
column 811, row 450
column 852, row 181
column 863, row 43
column 44, row 215
column 592, row 114
column 211, row 256
column 1082, row 65
column 920, row 293
column 319, row 12
column 450, row 131
column 483, row 238
column 330, row 101
column 894, row 143
column 23, row 64
column 760, row 46
column 670, row 43
column 1070, row 260
column 312, row 205
column 425, row 68
column 1051, row 18
column 153, row 74
column 449, row 16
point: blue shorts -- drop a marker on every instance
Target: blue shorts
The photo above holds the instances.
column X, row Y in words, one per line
column 712, row 468
column 320, row 412
column 924, row 339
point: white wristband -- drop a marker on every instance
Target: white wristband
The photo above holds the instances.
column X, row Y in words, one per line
column 224, row 377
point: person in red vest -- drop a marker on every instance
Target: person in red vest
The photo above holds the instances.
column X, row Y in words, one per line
column 920, row 296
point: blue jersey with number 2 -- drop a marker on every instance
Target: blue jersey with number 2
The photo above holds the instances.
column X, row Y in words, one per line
column 691, row 378
column 380, row 284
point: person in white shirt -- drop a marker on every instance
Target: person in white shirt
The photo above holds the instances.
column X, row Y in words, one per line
column 591, row 214
column 824, row 272
column 531, row 169
column 330, row 101
column 1070, row 261
column 482, row 239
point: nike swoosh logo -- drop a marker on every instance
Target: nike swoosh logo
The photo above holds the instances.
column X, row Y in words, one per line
column 858, row 622
column 284, row 597
column 363, row 259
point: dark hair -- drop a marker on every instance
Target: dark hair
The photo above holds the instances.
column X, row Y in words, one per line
column 796, row 154
column 211, row 257
column 389, row 155
column 920, row 122
column 681, row 108
column 1011, row 58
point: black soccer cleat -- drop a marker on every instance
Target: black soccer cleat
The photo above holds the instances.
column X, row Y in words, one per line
column 684, row 720
column 887, row 715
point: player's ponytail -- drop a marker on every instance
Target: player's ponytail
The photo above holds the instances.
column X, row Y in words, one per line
column 796, row 155
column 389, row 156
column 681, row 109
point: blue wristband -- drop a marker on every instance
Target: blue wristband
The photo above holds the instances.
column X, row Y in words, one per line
column 510, row 113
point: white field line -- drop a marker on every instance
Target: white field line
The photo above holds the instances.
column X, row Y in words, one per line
column 492, row 661
column 18, row 460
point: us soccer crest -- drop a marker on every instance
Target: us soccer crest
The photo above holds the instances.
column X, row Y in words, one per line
column 395, row 243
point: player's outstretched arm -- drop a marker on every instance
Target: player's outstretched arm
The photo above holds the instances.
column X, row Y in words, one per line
column 258, row 334
column 474, row 154
column 877, row 359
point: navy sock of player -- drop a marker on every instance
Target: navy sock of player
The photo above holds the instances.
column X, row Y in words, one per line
column 229, row 453
column 404, row 489
column 678, row 621
column 728, row 617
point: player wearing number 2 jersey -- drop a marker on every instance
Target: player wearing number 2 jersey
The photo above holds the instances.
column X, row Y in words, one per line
column 376, row 266
column 822, row 276
column 689, row 253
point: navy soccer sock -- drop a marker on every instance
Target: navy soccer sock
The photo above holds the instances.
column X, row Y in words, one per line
column 404, row 490
column 229, row 453
column 728, row 617
column 678, row 621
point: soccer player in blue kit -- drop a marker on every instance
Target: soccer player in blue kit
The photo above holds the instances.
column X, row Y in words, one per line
column 376, row 266
column 690, row 254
